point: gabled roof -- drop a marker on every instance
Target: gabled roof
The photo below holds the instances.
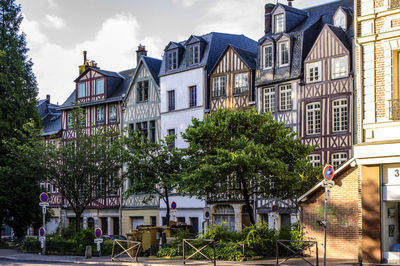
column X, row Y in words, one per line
column 101, row 71
column 117, row 95
column 342, row 36
column 194, row 39
column 247, row 56
column 215, row 44
column 51, row 117
column 173, row 45
column 292, row 9
column 153, row 65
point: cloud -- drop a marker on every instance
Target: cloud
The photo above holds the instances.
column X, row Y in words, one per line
column 54, row 22
column 185, row 3
column 52, row 3
column 113, row 48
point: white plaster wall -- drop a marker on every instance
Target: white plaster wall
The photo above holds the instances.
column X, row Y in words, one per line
column 182, row 116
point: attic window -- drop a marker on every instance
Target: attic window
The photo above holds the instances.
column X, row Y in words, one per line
column 172, row 59
column 81, row 89
column 194, row 55
column 339, row 20
column 99, row 86
column 279, row 22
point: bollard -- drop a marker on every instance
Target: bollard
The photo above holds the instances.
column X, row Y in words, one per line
column 88, row 252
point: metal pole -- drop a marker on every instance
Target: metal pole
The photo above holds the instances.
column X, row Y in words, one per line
column 276, row 252
column 316, row 245
column 325, row 224
column 183, row 251
column 215, row 262
column 44, row 226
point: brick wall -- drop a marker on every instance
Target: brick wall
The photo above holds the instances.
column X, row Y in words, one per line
column 380, row 80
column 344, row 230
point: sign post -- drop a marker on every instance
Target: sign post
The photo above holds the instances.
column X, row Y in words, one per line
column 98, row 233
column 328, row 184
column 173, row 207
column 207, row 215
column 43, row 197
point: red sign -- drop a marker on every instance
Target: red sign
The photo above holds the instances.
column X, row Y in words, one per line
column 173, row 205
column 44, row 197
column 98, row 233
column 275, row 208
column 328, row 172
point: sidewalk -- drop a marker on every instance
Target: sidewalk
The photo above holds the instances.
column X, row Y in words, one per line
column 11, row 254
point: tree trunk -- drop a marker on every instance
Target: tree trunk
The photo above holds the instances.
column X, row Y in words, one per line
column 78, row 222
column 167, row 216
column 246, row 198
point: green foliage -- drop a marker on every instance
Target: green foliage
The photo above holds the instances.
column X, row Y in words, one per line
column 168, row 252
column 85, row 236
column 246, row 153
column 221, row 233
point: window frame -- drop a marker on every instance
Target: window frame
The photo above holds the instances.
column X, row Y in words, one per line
column 172, row 60
column 192, row 96
column 312, row 159
column 219, row 91
column 171, row 132
column 340, row 15
column 287, row 44
column 142, row 91
column 265, row 66
column 276, row 24
column 312, row 66
column 80, row 89
column 337, row 162
column 241, row 89
column 171, row 100
column 98, row 81
column 271, row 94
column 340, row 74
column 287, row 103
column 194, row 53
column 109, row 114
column 339, row 120
column 315, row 122
column 98, row 123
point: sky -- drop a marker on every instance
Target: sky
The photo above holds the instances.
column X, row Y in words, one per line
column 57, row 31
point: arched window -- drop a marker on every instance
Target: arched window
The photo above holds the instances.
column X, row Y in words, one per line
column 225, row 215
column 90, row 222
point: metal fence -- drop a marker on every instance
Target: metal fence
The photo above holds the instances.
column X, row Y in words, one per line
column 296, row 249
column 130, row 248
column 198, row 246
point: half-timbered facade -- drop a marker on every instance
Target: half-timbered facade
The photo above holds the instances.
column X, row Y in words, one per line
column 141, row 111
column 232, row 79
column 326, row 99
column 100, row 94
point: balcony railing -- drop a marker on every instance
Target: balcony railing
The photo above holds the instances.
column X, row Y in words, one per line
column 140, row 201
column 394, row 4
column 395, row 108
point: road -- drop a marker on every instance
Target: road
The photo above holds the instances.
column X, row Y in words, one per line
column 24, row 262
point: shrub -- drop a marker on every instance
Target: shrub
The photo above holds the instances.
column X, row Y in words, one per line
column 167, row 252
column 221, row 233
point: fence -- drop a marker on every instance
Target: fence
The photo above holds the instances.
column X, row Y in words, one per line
column 198, row 249
column 131, row 248
column 296, row 248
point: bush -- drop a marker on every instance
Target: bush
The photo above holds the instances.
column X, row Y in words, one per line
column 221, row 233
column 167, row 252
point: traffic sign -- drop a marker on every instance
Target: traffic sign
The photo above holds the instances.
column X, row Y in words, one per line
column 328, row 172
column 173, row 205
column 207, row 214
column 98, row 240
column 98, row 233
column 44, row 197
column 42, row 231
column 275, row 208
column 327, row 193
column 44, row 204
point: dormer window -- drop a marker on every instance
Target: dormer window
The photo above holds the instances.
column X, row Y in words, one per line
column 194, row 55
column 172, row 58
column 284, row 53
column 99, row 86
column 339, row 20
column 267, row 56
column 81, row 90
column 279, row 22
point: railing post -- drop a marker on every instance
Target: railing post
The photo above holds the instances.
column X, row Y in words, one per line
column 316, row 245
column 276, row 252
column 183, row 250
column 215, row 262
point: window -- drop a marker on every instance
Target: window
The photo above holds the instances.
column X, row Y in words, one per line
column 225, row 215
column 367, row 27
column 142, row 89
column 269, row 99
column 152, row 131
column 314, row 160
column 268, row 56
column 339, row 67
column 153, row 220
column 171, row 132
column 338, row 159
column 141, row 127
column 340, row 20
column 100, row 115
column 180, row 219
column 313, row 120
column 171, row 100
column 241, row 83
column 219, row 86
column 285, row 95
column 172, row 60
column 314, row 72
column 340, row 112
column 70, row 121
column 99, row 86
column 283, row 53
column 131, row 127
column 192, row 96
column 112, row 113
column 279, row 21
column 81, row 89
column 194, row 55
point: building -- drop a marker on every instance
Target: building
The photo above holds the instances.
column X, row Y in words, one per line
column 141, row 111
column 185, row 94
column 368, row 226
column 100, row 93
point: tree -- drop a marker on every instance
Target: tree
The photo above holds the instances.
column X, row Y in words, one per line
column 86, row 168
column 247, row 154
column 153, row 167
column 19, row 124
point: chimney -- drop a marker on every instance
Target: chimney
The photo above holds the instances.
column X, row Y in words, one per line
column 290, row 2
column 48, row 98
column 268, row 17
column 141, row 51
column 83, row 67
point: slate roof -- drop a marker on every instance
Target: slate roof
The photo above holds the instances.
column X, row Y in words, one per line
column 302, row 37
column 101, row 71
column 51, row 117
column 215, row 44
column 341, row 34
column 118, row 94
column 154, row 66
column 249, row 57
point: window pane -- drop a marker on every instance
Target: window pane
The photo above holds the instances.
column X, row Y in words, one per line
column 112, row 114
column 100, row 86
column 285, row 94
column 171, row 100
column 269, row 100
column 284, row 53
column 268, row 56
column 241, row 83
column 279, row 23
column 100, row 115
column 192, row 96
column 81, row 90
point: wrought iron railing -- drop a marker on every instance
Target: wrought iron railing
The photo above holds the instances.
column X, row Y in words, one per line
column 395, row 108
column 139, row 201
column 394, row 4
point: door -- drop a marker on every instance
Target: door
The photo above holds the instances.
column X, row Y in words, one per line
column 194, row 221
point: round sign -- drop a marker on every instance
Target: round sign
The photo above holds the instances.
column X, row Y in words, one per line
column 44, row 197
column 207, row 214
column 42, row 232
column 173, row 205
column 328, row 172
column 98, row 232
column 275, row 208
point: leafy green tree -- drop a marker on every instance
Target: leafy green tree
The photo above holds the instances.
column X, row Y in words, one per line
column 153, row 167
column 87, row 168
column 246, row 154
column 19, row 121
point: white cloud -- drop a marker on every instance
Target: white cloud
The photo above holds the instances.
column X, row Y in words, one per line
column 185, row 3
column 54, row 22
column 52, row 3
column 113, row 48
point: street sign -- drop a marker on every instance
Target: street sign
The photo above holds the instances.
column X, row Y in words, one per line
column 98, row 233
column 328, row 172
column 327, row 193
column 275, row 208
column 207, row 214
column 173, row 205
column 42, row 231
column 98, row 240
column 44, row 197
column 44, row 204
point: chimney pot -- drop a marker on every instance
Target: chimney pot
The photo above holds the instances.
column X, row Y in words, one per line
column 290, row 2
column 48, row 98
column 84, row 57
column 141, row 51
